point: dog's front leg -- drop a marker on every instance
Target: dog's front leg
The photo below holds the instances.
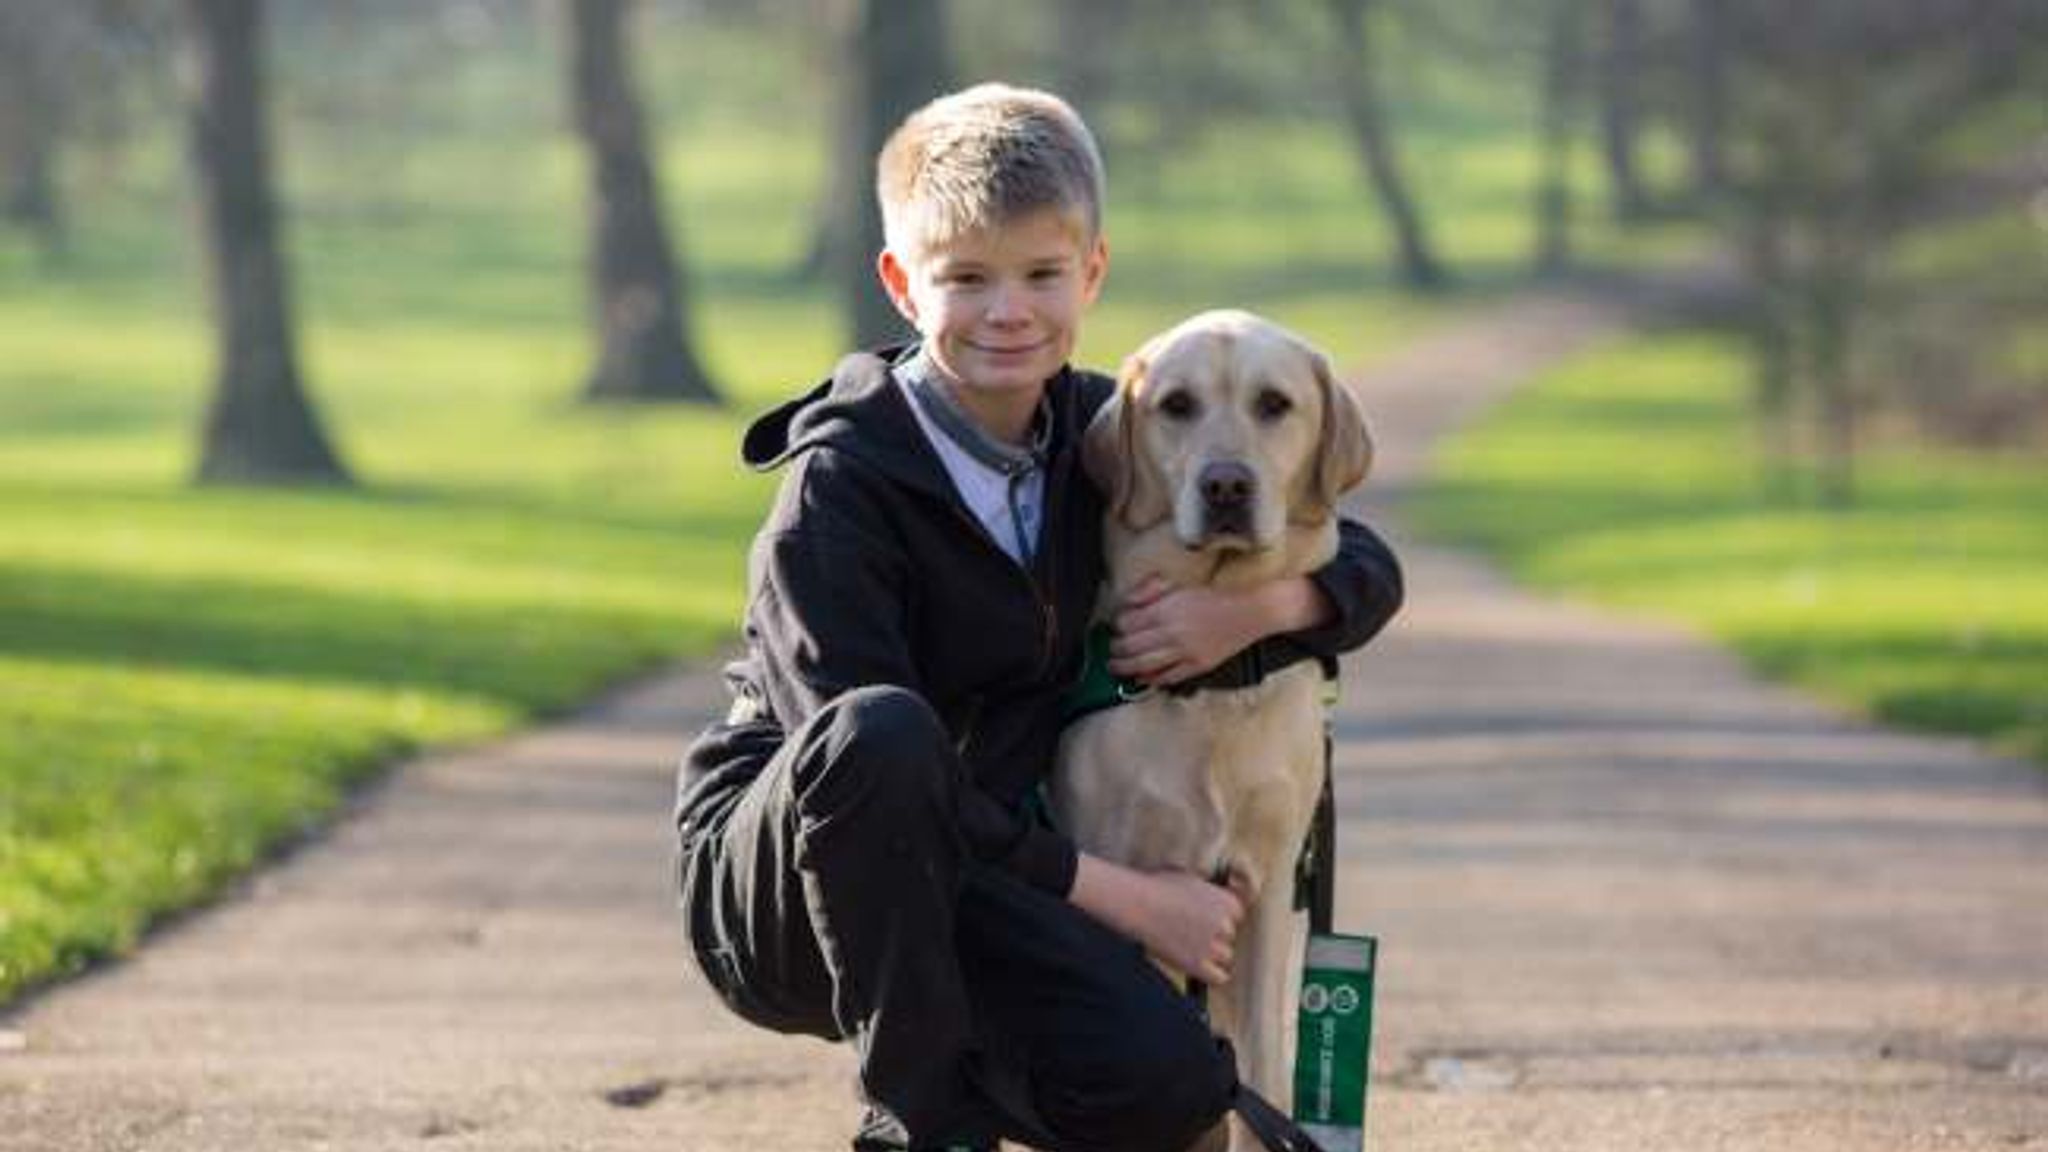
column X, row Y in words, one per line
column 1259, row 1002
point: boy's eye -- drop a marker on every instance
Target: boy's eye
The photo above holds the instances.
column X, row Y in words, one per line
column 1046, row 275
column 1271, row 404
column 1178, row 405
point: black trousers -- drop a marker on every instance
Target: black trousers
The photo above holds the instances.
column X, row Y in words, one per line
column 834, row 897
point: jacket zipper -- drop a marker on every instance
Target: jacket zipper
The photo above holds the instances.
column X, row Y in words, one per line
column 1049, row 624
column 1051, row 631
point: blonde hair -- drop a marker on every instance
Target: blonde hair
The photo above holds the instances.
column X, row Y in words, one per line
column 982, row 157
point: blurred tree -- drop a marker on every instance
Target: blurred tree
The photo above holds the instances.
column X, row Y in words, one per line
column 1562, row 53
column 1621, row 67
column 637, row 295
column 34, row 40
column 896, row 58
column 1842, row 110
column 64, row 69
column 1358, row 82
column 848, row 174
column 1087, row 40
column 260, row 426
column 1706, row 69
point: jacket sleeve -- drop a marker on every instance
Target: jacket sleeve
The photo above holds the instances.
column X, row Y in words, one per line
column 1363, row 585
column 831, row 613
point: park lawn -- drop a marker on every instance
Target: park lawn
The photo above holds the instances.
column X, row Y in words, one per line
column 1630, row 476
column 190, row 678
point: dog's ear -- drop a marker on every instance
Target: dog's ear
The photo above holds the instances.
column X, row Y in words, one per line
column 1344, row 454
column 1109, row 453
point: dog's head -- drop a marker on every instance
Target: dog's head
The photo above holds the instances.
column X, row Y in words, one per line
column 1232, row 427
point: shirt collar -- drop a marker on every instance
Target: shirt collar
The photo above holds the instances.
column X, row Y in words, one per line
column 921, row 378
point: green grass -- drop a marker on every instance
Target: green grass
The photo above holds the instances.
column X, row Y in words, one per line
column 1630, row 476
column 190, row 677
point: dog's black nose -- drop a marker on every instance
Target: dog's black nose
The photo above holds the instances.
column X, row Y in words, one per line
column 1227, row 484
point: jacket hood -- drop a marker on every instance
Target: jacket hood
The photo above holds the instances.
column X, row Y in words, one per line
column 856, row 395
column 859, row 410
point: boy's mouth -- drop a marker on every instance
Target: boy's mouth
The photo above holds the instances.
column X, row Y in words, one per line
column 1013, row 350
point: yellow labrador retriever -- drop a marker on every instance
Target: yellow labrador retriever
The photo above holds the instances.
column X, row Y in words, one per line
column 1222, row 455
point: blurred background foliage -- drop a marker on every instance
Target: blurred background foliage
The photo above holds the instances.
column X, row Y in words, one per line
column 1845, row 469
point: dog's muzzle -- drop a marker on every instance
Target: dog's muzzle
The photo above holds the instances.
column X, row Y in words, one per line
column 1229, row 491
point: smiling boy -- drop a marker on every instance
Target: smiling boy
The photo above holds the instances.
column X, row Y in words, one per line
column 857, row 854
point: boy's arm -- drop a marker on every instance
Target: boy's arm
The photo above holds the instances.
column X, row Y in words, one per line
column 1167, row 635
column 1363, row 587
column 830, row 615
column 1178, row 916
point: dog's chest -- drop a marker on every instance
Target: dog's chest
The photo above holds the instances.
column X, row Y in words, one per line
column 1197, row 781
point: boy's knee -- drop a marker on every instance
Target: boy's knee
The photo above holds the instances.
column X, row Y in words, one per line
column 889, row 720
column 878, row 744
column 1170, row 1095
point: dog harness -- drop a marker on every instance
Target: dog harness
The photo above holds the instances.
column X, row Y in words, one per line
column 1097, row 688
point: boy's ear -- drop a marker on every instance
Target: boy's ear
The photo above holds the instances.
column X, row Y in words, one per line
column 896, row 282
column 1109, row 453
column 1344, row 452
column 1094, row 266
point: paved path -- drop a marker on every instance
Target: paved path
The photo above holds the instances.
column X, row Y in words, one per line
column 1628, row 899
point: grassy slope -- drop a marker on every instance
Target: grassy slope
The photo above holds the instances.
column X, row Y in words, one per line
column 1630, row 476
column 188, row 676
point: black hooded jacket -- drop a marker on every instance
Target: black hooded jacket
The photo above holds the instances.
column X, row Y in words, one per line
column 871, row 570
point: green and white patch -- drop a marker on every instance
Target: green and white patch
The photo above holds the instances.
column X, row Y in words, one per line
column 1333, row 1056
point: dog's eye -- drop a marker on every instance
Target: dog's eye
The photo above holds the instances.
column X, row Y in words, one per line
column 1272, row 404
column 1177, row 405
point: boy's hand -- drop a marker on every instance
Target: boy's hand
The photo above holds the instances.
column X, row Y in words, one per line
column 1165, row 635
column 1176, row 916
column 1195, row 929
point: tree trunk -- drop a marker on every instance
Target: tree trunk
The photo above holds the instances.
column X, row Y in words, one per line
column 1707, row 66
column 1830, row 324
column 1620, row 73
column 1089, row 33
column 898, row 60
column 1772, row 362
column 33, row 108
column 260, row 427
column 31, row 199
column 826, row 250
column 1359, row 82
column 636, row 293
column 1553, row 192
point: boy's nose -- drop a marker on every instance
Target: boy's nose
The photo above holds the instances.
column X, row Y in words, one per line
column 1006, row 305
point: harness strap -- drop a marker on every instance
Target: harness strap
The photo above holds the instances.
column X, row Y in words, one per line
column 1319, row 855
column 1098, row 688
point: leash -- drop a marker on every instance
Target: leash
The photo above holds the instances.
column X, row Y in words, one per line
column 1274, row 1128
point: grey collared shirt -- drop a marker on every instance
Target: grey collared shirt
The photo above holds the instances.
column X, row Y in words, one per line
column 985, row 490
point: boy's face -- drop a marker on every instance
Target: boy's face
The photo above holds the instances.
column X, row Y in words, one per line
column 1000, row 308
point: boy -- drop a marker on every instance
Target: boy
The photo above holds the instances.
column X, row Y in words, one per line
column 857, row 855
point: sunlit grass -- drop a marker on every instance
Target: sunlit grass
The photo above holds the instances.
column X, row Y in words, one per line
column 134, row 787
column 1630, row 476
